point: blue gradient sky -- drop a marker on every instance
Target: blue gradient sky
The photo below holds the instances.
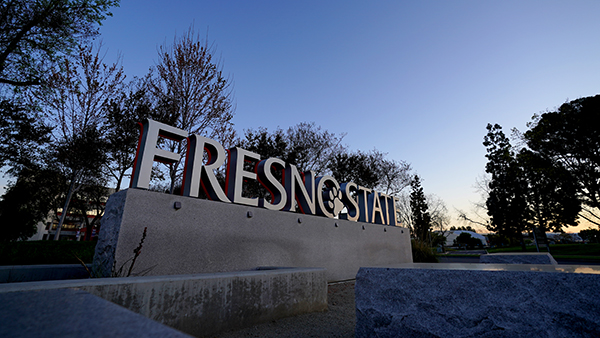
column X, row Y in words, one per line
column 419, row 80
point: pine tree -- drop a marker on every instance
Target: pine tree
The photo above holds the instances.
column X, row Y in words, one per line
column 419, row 207
column 506, row 202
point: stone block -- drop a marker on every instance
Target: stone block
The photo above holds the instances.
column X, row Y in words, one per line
column 478, row 300
column 72, row 313
column 203, row 304
column 518, row 258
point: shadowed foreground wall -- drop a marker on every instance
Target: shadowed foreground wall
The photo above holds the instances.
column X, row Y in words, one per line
column 205, row 236
column 200, row 305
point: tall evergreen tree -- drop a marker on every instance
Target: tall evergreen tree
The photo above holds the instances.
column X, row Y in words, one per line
column 506, row 202
column 551, row 193
column 419, row 208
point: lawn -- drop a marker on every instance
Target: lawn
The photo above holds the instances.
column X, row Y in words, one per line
column 46, row 252
column 585, row 251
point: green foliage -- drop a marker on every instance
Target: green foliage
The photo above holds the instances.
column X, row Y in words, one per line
column 498, row 240
column 546, row 185
column 465, row 239
column 465, row 228
column 35, row 34
column 29, row 201
column 21, row 135
column 569, row 138
column 82, row 155
column 418, row 204
column 551, row 193
column 46, row 252
column 358, row 167
column 309, row 147
column 437, row 239
column 422, row 252
column 506, row 203
column 591, row 235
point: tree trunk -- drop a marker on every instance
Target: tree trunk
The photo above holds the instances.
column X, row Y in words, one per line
column 64, row 210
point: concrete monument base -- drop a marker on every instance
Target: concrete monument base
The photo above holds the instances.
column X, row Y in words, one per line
column 188, row 235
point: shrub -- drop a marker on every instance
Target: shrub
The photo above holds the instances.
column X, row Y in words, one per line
column 46, row 252
column 422, row 253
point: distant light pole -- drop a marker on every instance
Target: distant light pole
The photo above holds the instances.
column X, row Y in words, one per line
column 430, row 243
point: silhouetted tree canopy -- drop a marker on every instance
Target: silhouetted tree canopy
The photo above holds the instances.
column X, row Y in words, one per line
column 419, row 210
column 35, row 34
column 506, row 202
column 28, row 201
column 569, row 139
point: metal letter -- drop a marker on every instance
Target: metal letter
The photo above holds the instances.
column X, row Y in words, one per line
column 376, row 211
column 236, row 175
column 275, row 188
column 393, row 211
column 147, row 152
column 352, row 208
column 196, row 174
column 383, row 200
column 306, row 200
column 363, row 204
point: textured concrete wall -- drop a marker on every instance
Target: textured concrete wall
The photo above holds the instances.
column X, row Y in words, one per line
column 206, row 236
column 478, row 300
column 204, row 304
column 73, row 313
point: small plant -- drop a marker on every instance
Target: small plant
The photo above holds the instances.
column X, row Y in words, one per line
column 120, row 272
column 136, row 253
column 422, row 253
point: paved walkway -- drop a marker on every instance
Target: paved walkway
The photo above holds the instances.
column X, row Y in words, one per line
column 338, row 321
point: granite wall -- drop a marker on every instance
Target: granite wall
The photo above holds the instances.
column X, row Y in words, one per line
column 478, row 300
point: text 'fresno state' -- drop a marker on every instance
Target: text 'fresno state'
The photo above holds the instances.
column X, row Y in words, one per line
column 321, row 195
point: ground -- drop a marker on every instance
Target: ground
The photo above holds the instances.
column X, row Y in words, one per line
column 338, row 321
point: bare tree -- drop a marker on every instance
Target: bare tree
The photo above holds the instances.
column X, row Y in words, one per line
column 124, row 112
column 311, row 148
column 405, row 211
column 477, row 216
column 438, row 212
column 75, row 104
column 394, row 176
column 192, row 93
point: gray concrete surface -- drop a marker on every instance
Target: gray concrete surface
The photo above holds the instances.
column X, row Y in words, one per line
column 518, row 258
column 478, row 300
column 206, row 236
column 32, row 273
column 205, row 304
column 337, row 322
column 72, row 313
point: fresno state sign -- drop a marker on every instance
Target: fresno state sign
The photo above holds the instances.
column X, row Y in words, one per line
column 321, row 195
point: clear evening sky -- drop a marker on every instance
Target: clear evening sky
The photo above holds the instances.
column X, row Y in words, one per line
column 419, row 80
